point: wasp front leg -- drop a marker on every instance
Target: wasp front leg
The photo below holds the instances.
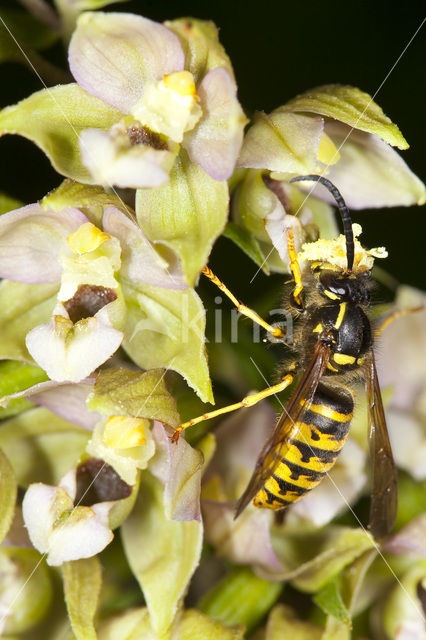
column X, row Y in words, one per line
column 242, row 308
column 248, row 401
column 295, row 270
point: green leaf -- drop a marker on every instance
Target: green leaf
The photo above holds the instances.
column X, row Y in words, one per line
column 329, row 599
column 247, row 243
column 134, row 393
column 25, row 586
column 82, row 587
column 312, row 559
column 240, row 598
column 165, row 328
column 27, row 31
column 7, row 203
column 187, row 214
column 22, row 307
column 53, row 119
column 16, row 376
column 41, row 446
column 283, row 623
column 352, row 106
column 162, row 553
column 8, row 492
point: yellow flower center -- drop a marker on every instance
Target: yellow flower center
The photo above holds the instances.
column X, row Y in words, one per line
column 124, row 432
column 86, row 238
column 181, row 82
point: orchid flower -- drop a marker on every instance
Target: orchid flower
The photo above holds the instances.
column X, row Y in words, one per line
column 163, row 102
column 335, row 131
column 83, row 263
column 59, row 522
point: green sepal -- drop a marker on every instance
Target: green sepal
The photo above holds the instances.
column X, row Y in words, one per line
column 41, row 446
column 53, row 119
column 162, row 553
column 92, row 199
column 283, row 623
column 247, row 243
column 165, row 328
column 186, row 215
column 16, row 376
column 352, row 106
column 82, row 581
column 329, row 599
column 8, row 493
column 200, row 42
column 22, row 307
column 142, row 394
column 134, row 624
column 334, row 549
column 241, row 597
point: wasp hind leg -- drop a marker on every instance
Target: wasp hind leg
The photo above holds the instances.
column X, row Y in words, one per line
column 248, row 401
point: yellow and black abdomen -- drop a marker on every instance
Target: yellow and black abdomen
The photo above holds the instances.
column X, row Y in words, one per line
column 312, row 451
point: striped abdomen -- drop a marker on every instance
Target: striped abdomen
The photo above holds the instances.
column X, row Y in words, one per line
column 312, row 451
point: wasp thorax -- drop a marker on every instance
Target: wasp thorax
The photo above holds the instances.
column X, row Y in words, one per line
column 346, row 288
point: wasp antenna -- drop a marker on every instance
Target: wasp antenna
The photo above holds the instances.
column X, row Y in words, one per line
column 344, row 212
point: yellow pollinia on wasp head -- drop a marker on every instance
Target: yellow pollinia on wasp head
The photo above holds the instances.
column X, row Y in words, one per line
column 332, row 346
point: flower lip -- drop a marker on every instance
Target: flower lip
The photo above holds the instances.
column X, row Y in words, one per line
column 87, row 301
column 98, row 482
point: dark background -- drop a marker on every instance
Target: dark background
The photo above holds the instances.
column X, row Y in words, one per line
column 279, row 49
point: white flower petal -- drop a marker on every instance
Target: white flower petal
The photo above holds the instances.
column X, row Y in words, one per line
column 134, row 166
column 113, row 55
column 41, row 508
column 82, row 535
column 70, row 352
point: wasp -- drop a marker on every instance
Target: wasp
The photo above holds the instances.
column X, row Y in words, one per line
column 333, row 346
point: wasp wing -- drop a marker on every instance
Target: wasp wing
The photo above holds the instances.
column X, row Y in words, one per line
column 286, row 427
column 384, row 496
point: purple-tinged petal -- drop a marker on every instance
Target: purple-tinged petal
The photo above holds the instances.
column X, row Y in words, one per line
column 69, row 352
column 140, row 262
column 370, row 173
column 277, row 225
column 31, row 241
column 412, row 538
column 129, row 167
column 64, row 399
column 178, row 467
column 113, row 55
column 215, row 142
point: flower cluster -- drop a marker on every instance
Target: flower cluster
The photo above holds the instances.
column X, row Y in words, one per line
column 103, row 350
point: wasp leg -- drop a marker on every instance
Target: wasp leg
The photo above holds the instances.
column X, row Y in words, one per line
column 248, row 401
column 295, row 269
column 395, row 315
column 246, row 311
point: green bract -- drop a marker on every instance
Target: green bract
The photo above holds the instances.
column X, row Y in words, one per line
column 162, row 554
